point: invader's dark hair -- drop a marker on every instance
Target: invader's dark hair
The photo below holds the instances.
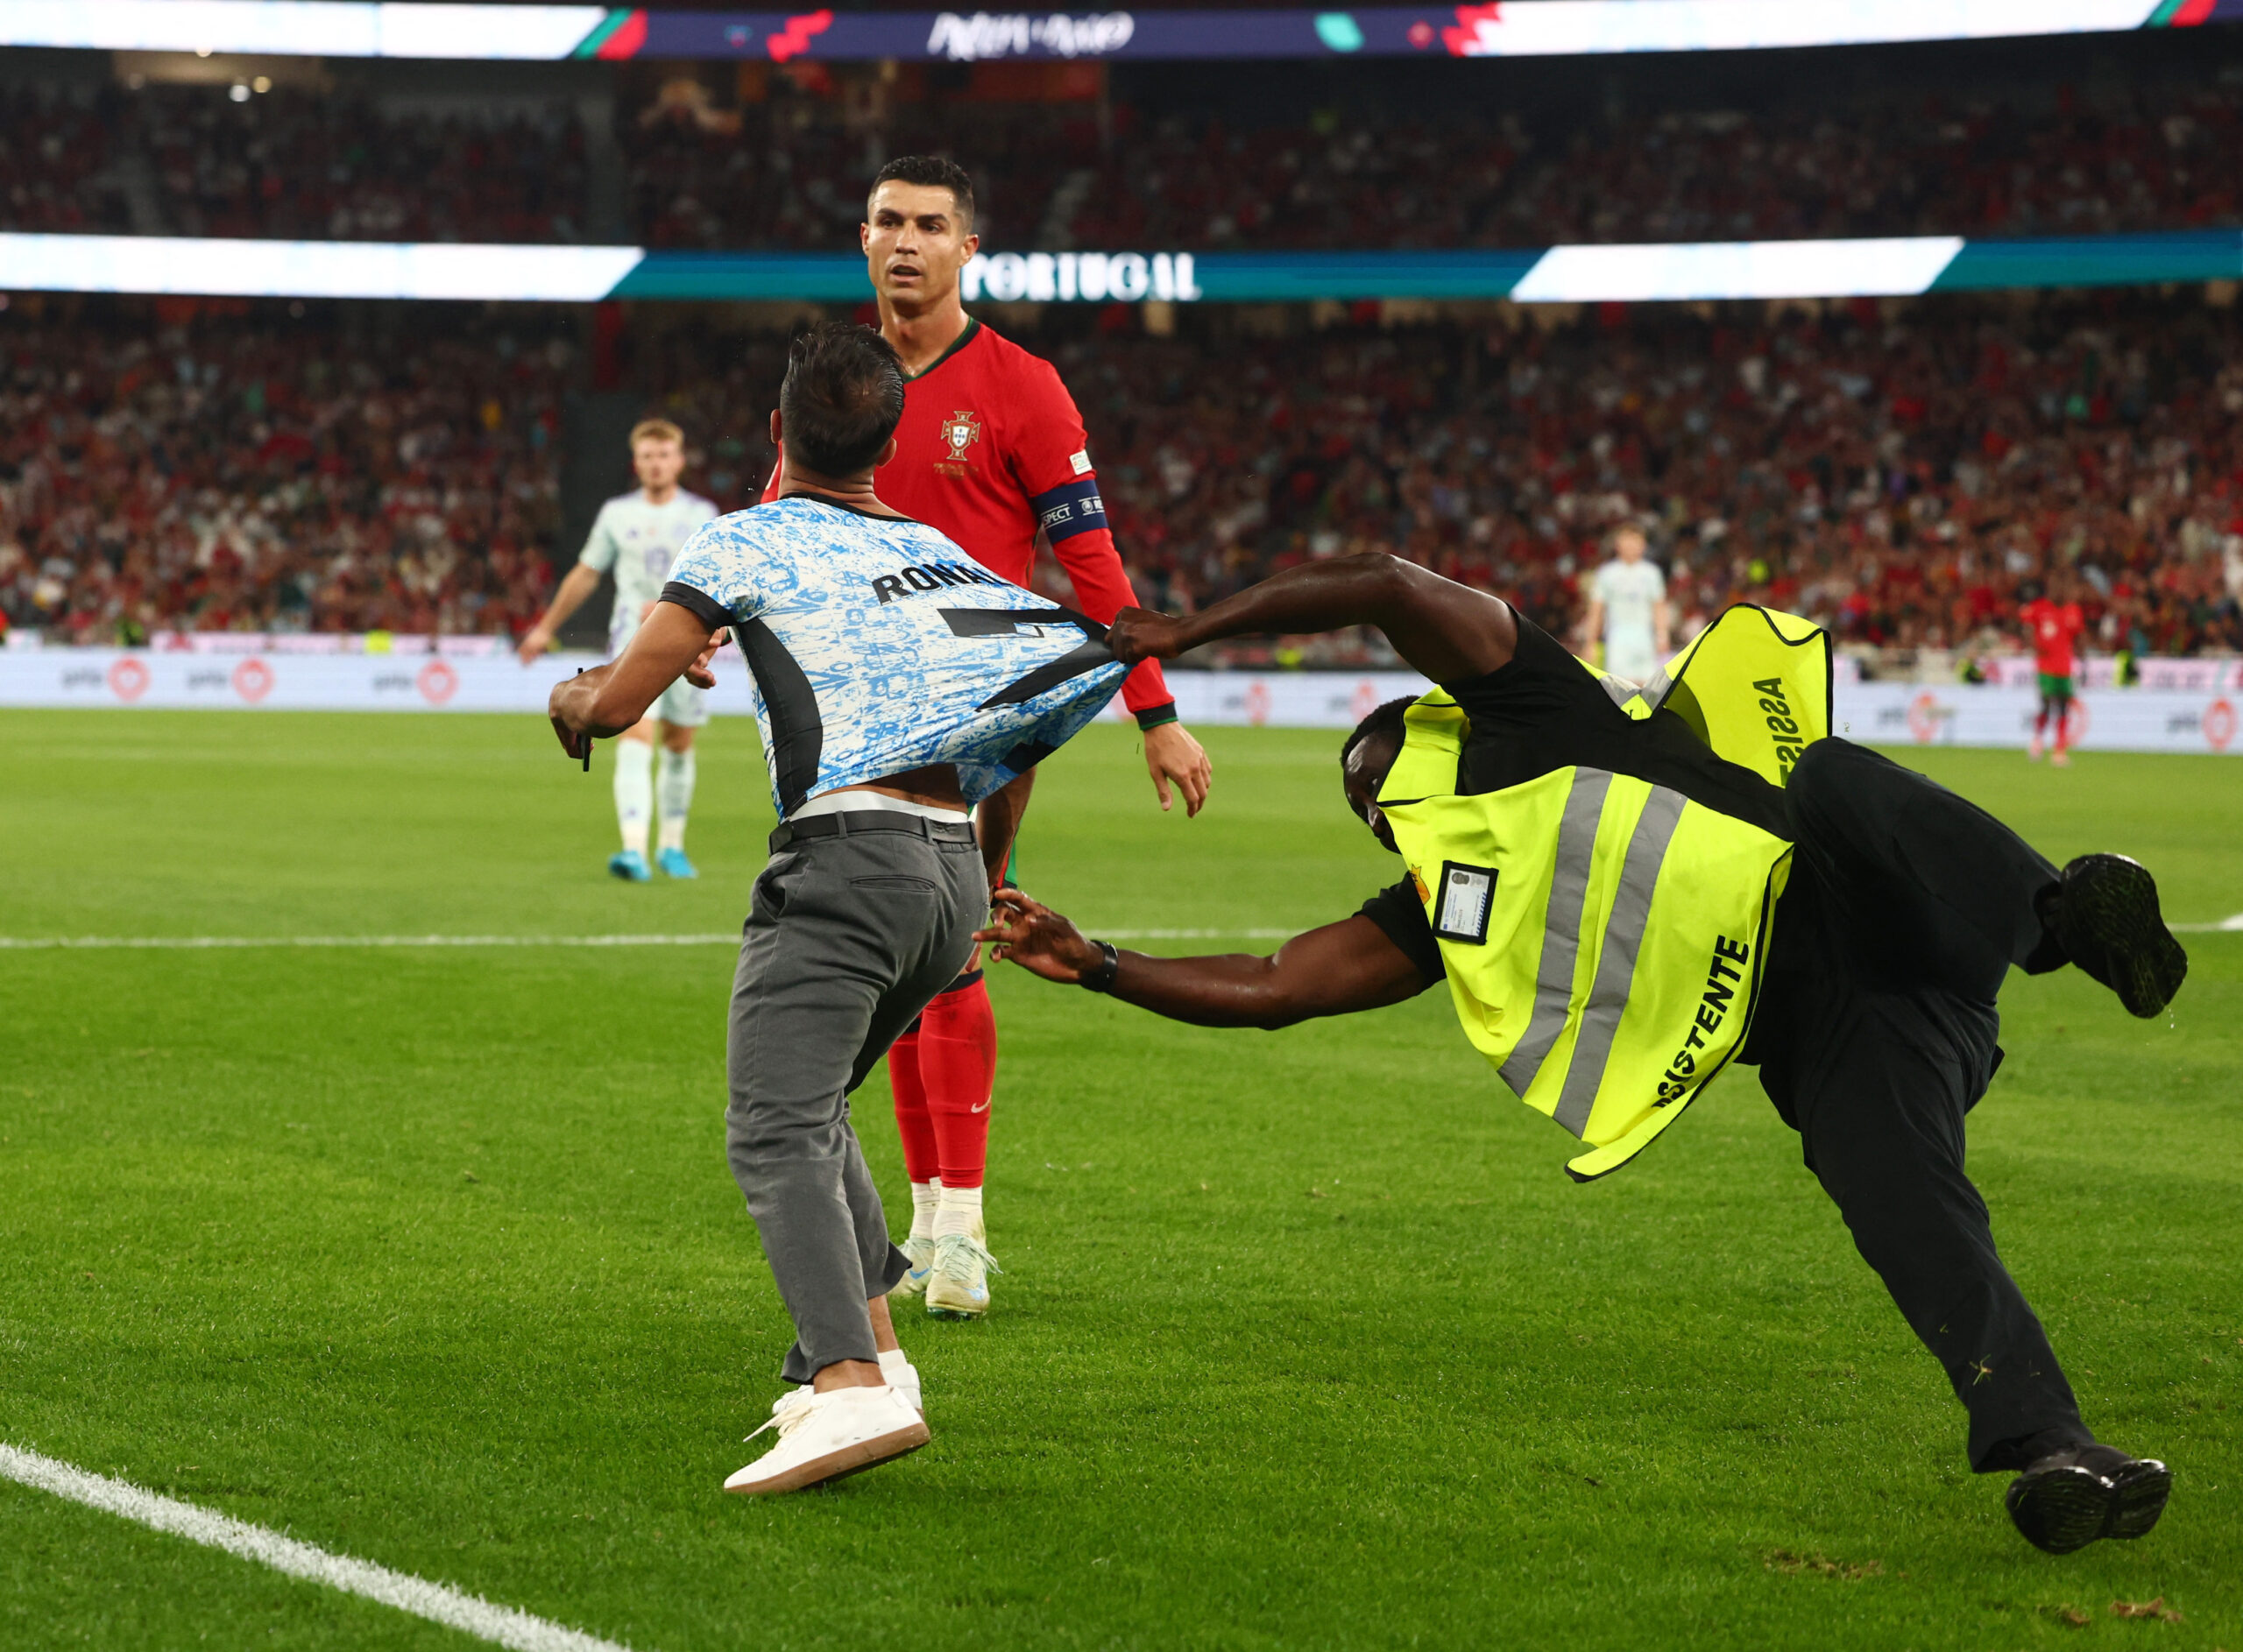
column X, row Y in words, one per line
column 841, row 397
column 931, row 172
column 1384, row 723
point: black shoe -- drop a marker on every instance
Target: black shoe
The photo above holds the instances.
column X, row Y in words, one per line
column 2106, row 919
column 2071, row 1498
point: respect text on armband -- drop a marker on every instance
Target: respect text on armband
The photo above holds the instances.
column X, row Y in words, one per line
column 929, row 576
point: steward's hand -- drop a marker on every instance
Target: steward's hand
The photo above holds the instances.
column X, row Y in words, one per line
column 1172, row 754
column 574, row 742
column 1139, row 633
column 1037, row 939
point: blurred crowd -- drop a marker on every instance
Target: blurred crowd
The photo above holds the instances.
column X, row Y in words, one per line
column 198, row 160
column 691, row 167
column 240, row 472
column 1901, row 167
column 1906, row 472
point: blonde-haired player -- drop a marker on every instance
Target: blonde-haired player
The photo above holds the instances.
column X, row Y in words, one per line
column 636, row 537
column 1627, row 609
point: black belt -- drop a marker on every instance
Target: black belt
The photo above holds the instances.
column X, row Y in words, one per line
column 871, row 820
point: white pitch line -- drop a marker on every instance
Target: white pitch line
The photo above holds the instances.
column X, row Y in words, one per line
column 471, row 1615
column 196, row 942
column 2224, row 926
column 200, row 942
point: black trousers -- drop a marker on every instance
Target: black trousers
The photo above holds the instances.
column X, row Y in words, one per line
column 1876, row 1035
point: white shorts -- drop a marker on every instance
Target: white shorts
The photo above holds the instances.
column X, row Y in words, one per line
column 1632, row 657
column 682, row 706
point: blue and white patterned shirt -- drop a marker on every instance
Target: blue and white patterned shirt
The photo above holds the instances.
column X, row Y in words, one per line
column 878, row 646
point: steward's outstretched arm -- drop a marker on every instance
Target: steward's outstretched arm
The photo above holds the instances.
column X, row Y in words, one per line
column 602, row 702
column 1447, row 631
column 1334, row 970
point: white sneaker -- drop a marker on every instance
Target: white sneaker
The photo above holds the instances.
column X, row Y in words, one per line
column 904, row 1377
column 830, row 1435
column 919, row 1253
column 958, row 1286
column 894, row 1365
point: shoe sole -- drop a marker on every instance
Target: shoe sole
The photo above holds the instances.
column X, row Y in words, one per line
column 945, row 1311
column 2140, row 1490
column 2112, row 901
column 841, row 1464
column 2066, row 1509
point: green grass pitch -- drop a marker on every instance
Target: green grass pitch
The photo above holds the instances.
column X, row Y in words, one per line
column 1304, row 1339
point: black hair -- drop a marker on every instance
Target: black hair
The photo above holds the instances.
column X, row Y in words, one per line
column 841, row 397
column 931, row 172
column 1385, row 722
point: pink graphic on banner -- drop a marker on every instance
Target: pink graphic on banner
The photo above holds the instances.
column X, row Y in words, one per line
column 795, row 39
column 253, row 680
column 1365, row 702
column 438, row 682
column 128, row 679
column 1925, row 715
column 2219, row 725
column 1257, row 704
column 1473, row 26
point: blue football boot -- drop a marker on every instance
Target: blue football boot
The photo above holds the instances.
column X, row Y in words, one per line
column 630, row 865
column 675, row 864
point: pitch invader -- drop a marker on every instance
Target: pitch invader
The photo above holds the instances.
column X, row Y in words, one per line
column 636, row 537
column 991, row 452
column 2054, row 622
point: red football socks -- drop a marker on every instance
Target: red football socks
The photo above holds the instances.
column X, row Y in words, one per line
column 912, row 1123
column 958, row 1073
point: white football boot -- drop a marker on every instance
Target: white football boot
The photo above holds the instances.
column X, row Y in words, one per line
column 830, row 1435
column 958, row 1286
column 919, row 1253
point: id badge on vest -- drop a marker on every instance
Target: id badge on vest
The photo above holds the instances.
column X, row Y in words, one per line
column 1466, row 895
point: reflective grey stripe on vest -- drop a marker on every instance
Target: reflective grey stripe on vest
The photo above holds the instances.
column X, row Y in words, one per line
column 1616, row 964
column 1553, row 984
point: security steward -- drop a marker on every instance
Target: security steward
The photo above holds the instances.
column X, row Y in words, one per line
column 1627, row 889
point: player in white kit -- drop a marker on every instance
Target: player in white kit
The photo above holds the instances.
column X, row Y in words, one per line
column 1627, row 609
column 637, row 536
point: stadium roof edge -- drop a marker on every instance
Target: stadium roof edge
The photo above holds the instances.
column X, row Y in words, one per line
column 1507, row 28
column 1866, row 267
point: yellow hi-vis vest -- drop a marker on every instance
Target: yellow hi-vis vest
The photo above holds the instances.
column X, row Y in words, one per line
column 1603, row 936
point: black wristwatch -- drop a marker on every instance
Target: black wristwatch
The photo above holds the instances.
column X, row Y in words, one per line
column 1099, row 977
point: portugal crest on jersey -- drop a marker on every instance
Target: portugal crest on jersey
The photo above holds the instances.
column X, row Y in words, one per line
column 961, row 430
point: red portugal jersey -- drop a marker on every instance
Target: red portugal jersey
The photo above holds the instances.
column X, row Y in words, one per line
column 990, row 451
column 2055, row 627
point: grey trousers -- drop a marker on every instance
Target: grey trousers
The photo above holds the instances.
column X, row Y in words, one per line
column 848, row 936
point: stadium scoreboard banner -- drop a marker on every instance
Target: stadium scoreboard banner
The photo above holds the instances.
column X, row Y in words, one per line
column 1894, row 266
column 2202, row 720
column 1506, row 28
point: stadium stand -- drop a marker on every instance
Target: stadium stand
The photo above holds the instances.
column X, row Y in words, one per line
column 789, row 168
column 218, row 467
column 193, row 160
column 1900, row 469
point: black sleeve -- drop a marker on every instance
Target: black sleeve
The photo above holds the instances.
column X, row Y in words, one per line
column 697, row 603
column 1397, row 910
column 1539, row 712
